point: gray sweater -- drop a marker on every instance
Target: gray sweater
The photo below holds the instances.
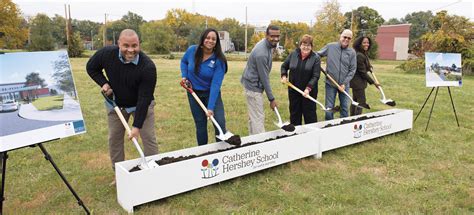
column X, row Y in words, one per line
column 341, row 63
column 256, row 73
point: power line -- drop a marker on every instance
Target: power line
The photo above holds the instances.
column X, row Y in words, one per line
column 459, row 1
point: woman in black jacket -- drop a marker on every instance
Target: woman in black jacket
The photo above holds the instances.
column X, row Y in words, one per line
column 304, row 66
column 361, row 77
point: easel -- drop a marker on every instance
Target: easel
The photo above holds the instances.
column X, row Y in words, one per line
column 432, row 106
column 48, row 157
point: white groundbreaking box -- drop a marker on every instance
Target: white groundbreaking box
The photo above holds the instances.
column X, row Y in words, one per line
column 135, row 188
column 368, row 126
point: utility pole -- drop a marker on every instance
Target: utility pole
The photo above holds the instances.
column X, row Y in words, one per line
column 67, row 28
column 104, row 36
column 246, row 26
column 206, row 22
column 92, row 41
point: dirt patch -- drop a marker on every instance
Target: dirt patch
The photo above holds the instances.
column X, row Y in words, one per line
column 95, row 160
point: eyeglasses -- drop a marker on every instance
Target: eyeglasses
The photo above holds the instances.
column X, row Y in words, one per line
column 347, row 38
column 305, row 45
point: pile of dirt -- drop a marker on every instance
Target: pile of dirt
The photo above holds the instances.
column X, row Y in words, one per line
column 362, row 118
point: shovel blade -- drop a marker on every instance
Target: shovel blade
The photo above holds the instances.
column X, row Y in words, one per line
column 148, row 165
column 388, row 102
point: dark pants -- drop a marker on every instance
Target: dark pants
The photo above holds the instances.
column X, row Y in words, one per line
column 200, row 117
column 301, row 107
column 359, row 96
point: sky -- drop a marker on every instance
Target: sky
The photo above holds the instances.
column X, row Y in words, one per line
column 259, row 12
column 13, row 66
column 443, row 59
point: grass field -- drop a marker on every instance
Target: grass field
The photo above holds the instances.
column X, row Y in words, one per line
column 49, row 103
column 410, row 172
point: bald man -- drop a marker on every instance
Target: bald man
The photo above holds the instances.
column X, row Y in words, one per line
column 341, row 65
column 131, row 79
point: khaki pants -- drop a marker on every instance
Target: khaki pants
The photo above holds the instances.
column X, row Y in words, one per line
column 256, row 112
column 117, row 132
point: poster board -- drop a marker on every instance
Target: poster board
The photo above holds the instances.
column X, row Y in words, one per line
column 443, row 69
column 38, row 99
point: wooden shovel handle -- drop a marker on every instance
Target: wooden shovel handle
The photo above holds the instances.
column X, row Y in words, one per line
column 332, row 80
column 375, row 78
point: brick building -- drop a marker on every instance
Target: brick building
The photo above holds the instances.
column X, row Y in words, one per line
column 393, row 41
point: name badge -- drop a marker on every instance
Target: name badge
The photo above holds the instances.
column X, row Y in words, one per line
column 212, row 64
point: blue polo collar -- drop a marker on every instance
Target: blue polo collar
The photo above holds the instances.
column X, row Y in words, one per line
column 134, row 61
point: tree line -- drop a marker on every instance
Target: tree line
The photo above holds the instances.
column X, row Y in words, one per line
column 438, row 32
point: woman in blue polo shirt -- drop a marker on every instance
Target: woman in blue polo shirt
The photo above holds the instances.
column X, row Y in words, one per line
column 204, row 65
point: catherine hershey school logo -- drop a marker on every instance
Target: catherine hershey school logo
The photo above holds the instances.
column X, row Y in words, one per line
column 209, row 170
column 357, row 131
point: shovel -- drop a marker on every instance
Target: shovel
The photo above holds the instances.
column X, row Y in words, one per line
column 143, row 164
column 334, row 109
column 384, row 100
column 347, row 94
column 228, row 137
column 285, row 126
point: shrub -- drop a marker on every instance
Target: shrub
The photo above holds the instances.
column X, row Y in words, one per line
column 413, row 66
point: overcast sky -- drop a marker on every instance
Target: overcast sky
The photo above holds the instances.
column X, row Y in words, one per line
column 260, row 12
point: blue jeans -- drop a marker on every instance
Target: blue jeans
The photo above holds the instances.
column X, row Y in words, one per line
column 200, row 118
column 331, row 100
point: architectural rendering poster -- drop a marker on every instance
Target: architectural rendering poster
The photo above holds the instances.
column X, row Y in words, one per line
column 38, row 99
column 443, row 69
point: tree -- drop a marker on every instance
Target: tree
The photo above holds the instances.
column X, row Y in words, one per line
column 183, row 24
column 393, row 21
column 450, row 34
column 41, row 34
column 86, row 28
column 255, row 39
column 157, row 37
column 34, row 79
column 236, row 32
column 76, row 46
column 63, row 76
column 13, row 28
column 58, row 26
column 113, row 31
column 133, row 21
column 329, row 24
column 419, row 26
column 290, row 33
column 366, row 19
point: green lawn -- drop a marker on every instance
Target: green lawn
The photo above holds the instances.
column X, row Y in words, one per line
column 410, row 172
column 49, row 103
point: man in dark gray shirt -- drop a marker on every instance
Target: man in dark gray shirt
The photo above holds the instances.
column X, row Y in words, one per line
column 341, row 66
column 256, row 79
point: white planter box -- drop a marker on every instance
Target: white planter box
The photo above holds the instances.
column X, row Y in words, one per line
column 135, row 188
column 386, row 122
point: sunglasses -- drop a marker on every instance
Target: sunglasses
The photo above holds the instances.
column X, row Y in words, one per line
column 347, row 38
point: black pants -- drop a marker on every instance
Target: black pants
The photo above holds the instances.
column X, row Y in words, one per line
column 359, row 96
column 302, row 107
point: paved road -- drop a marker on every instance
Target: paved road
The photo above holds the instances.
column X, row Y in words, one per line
column 11, row 123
